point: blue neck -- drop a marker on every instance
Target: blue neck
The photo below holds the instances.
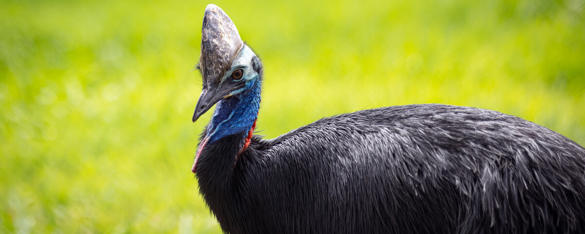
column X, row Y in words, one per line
column 236, row 114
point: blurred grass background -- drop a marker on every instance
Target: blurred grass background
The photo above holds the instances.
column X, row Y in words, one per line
column 96, row 96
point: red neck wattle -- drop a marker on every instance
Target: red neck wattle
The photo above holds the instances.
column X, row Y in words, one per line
column 248, row 138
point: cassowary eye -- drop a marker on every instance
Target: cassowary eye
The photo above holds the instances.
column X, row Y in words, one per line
column 237, row 74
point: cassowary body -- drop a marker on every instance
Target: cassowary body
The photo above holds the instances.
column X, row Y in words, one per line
column 403, row 169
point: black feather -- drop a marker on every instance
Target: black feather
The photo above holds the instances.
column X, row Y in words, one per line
column 402, row 169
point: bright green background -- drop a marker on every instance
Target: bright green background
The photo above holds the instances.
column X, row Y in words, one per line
column 96, row 97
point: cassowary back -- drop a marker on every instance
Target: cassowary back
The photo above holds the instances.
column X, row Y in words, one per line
column 418, row 168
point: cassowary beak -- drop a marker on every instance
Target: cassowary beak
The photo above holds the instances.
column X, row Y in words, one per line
column 206, row 101
column 220, row 43
column 208, row 98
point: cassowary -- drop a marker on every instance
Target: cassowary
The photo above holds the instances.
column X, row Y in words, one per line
column 402, row 169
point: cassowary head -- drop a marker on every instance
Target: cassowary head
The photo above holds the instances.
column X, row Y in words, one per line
column 228, row 66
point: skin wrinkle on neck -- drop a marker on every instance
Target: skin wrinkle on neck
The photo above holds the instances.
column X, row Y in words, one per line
column 236, row 114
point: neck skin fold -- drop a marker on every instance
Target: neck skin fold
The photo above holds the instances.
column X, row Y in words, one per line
column 236, row 114
column 233, row 117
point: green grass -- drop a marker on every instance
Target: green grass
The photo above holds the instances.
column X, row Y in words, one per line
column 96, row 97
